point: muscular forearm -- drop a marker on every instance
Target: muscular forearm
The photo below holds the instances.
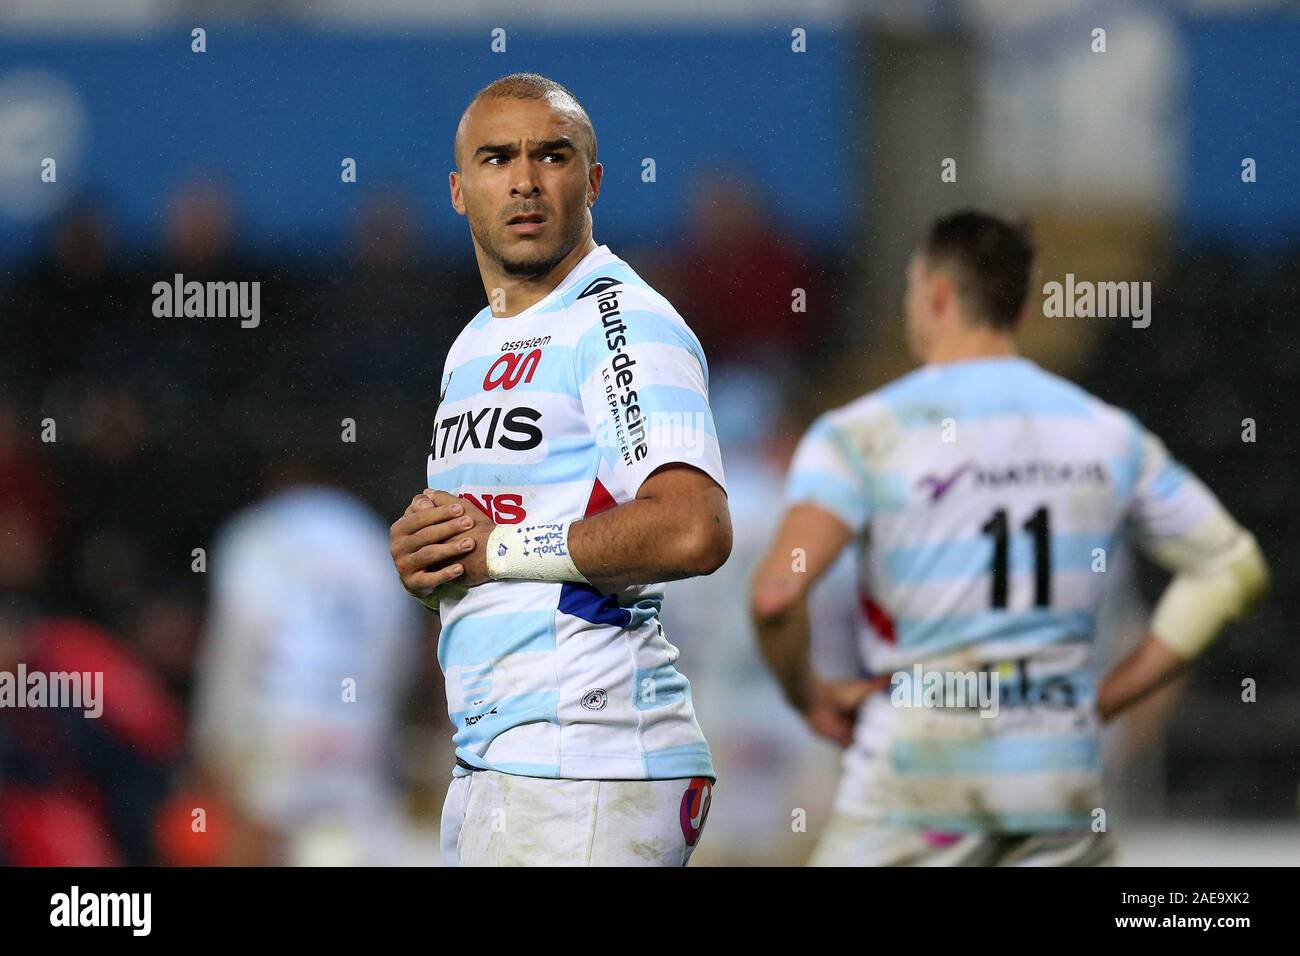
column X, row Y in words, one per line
column 1143, row 671
column 783, row 638
column 805, row 547
column 646, row 541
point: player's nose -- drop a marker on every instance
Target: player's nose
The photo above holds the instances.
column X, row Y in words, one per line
column 528, row 183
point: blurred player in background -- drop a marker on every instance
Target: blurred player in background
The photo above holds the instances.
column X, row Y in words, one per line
column 574, row 464
column 982, row 496
column 306, row 657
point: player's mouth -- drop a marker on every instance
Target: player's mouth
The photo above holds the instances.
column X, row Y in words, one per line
column 526, row 224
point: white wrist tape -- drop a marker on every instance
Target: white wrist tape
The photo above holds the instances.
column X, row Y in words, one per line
column 535, row 552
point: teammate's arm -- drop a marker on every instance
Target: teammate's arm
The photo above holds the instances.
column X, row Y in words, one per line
column 1219, row 574
column 223, row 737
column 806, row 545
column 828, row 493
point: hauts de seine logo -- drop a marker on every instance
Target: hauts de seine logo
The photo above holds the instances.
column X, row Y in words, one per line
column 595, row 699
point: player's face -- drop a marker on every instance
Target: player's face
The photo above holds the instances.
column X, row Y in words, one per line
column 524, row 184
column 916, row 312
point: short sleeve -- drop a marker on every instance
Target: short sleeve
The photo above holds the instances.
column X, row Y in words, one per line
column 827, row 473
column 1168, row 501
column 643, row 380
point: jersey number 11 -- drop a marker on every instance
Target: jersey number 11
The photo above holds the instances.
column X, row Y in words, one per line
column 1039, row 525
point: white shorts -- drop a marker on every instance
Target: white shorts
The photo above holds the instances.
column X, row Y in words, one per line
column 499, row 819
column 854, row 842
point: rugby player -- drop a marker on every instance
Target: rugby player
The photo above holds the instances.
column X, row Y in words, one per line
column 303, row 764
column 574, row 468
column 982, row 495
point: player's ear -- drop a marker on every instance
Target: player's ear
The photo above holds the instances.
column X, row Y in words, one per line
column 1021, row 316
column 939, row 292
column 457, row 198
column 594, row 176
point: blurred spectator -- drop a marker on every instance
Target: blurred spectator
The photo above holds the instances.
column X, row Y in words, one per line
column 381, row 327
column 81, row 790
column 106, row 441
column 734, row 275
column 31, row 514
column 62, row 303
column 199, row 227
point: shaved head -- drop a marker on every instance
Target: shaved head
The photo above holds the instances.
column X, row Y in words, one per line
column 533, row 86
column 526, row 176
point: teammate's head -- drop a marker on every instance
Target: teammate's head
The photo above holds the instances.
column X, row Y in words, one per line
column 968, row 277
column 525, row 147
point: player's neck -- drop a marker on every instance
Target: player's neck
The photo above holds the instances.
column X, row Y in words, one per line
column 523, row 292
column 972, row 346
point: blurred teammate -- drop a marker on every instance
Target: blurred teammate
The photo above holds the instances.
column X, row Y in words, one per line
column 304, row 662
column 982, row 496
column 574, row 427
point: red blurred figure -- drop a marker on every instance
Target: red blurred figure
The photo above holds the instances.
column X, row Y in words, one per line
column 31, row 516
column 737, row 276
column 82, row 790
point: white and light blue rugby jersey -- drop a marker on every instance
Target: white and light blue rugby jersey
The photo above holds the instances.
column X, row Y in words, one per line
column 559, row 412
column 985, row 497
column 308, row 649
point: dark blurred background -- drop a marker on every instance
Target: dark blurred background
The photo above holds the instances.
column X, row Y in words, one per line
column 737, row 172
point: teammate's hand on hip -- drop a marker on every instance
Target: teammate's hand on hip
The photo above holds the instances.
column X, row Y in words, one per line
column 470, row 542
column 833, row 706
column 426, row 542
